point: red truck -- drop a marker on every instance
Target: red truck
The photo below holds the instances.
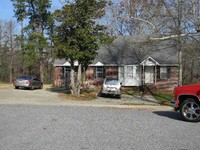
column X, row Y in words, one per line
column 187, row 101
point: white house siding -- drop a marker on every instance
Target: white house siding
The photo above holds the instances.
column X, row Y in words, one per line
column 129, row 75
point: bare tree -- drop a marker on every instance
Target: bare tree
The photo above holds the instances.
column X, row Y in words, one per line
column 11, row 45
column 158, row 20
column 7, row 50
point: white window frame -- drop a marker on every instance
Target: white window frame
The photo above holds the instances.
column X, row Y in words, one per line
column 99, row 72
column 163, row 72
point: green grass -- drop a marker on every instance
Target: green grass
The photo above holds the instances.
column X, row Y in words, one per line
column 131, row 92
column 5, row 85
column 163, row 98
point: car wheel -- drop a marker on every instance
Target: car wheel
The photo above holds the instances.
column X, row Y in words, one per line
column 99, row 94
column 190, row 110
column 41, row 87
column 16, row 87
column 102, row 95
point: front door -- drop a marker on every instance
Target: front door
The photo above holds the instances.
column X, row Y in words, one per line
column 149, row 74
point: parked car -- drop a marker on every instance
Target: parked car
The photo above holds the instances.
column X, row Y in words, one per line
column 111, row 86
column 30, row 82
column 187, row 102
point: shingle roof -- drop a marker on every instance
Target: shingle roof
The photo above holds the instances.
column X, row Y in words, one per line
column 128, row 50
column 59, row 62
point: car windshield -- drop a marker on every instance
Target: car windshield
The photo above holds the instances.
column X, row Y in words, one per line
column 24, row 78
column 112, row 82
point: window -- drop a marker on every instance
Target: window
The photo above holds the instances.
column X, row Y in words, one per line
column 163, row 73
column 67, row 72
column 99, row 72
column 138, row 70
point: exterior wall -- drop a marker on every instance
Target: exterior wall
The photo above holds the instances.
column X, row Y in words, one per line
column 171, row 82
column 111, row 71
column 90, row 75
column 92, row 78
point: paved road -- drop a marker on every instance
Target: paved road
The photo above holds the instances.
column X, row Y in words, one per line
column 34, row 127
column 39, row 119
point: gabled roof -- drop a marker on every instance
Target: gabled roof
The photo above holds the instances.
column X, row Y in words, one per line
column 59, row 62
column 129, row 51
column 149, row 61
column 63, row 62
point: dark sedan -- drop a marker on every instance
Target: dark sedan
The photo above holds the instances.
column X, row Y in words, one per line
column 31, row 82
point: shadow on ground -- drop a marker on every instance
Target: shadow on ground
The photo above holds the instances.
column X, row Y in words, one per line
column 169, row 114
column 58, row 90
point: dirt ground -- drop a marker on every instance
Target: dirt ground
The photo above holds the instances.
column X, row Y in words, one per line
column 47, row 96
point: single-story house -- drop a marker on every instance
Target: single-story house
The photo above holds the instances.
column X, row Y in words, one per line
column 134, row 63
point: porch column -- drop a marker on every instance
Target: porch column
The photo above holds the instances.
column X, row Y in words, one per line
column 155, row 75
column 143, row 74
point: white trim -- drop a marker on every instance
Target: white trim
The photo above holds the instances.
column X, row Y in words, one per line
column 101, row 71
column 168, row 65
column 99, row 64
column 69, row 64
column 143, row 62
column 66, row 64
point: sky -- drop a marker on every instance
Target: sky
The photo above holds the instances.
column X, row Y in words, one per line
column 7, row 13
column 6, row 10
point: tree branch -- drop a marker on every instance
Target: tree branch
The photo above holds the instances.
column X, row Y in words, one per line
column 172, row 36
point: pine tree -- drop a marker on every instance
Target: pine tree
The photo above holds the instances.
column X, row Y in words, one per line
column 78, row 36
column 33, row 40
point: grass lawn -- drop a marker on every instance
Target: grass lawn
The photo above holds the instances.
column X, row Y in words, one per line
column 5, row 85
column 163, row 98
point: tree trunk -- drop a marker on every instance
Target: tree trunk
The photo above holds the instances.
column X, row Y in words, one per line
column 79, row 81
column 180, row 60
column 72, row 83
column 11, row 69
column 22, row 45
column 75, row 81
column 41, row 69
